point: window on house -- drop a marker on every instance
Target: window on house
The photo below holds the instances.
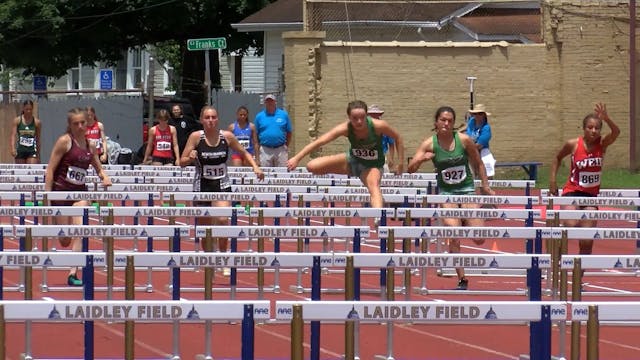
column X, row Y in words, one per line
column 237, row 76
column 136, row 67
column 121, row 72
column 73, row 78
column 128, row 72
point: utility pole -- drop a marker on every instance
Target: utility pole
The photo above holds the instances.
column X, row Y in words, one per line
column 150, row 91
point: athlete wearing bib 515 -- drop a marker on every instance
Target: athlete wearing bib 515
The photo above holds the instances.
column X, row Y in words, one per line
column 67, row 171
column 452, row 153
column 587, row 153
column 364, row 159
column 208, row 150
column 25, row 136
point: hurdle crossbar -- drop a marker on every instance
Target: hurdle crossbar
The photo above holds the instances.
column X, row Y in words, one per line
column 8, row 187
column 97, row 196
column 466, row 232
column 594, row 215
column 242, row 231
column 12, row 194
column 168, row 211
column 21, row 211
column 603, row 193
column 332, row 212
column 203, row 196
column 486, row 312
column 591, row 201
column 116, row 231
column 147, row 310
column 469, row 213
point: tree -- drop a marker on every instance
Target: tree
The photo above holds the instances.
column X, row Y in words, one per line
column 47, row 37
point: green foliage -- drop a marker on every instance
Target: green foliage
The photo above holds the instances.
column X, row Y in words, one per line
column 48, row 37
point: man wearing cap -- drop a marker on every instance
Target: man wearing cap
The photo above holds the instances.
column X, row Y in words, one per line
column 388, row 145
column 479, row 130
column 274, row 134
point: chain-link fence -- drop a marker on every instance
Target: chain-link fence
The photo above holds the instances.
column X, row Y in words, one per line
column 420, row 20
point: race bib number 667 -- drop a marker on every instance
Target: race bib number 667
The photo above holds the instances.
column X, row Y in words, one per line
column 76, row 175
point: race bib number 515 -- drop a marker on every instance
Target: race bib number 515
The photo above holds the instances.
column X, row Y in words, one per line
column 213, row 172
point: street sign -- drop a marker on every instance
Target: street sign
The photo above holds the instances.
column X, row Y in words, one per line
column 39, row 83
column 206, row 44
column 106, row 79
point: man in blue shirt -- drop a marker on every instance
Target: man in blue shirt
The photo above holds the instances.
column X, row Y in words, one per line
column 274, row 134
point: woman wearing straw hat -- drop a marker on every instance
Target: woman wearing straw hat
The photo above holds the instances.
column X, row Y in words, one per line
column 479, row 130
column 453, row 155
column 388, row 145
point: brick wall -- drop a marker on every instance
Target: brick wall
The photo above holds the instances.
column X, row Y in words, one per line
column 537, row 94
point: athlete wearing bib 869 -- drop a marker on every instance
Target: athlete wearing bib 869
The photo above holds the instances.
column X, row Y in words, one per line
column 452, row 154
column 587, row 154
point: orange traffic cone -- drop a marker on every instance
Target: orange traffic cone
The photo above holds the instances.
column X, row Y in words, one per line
column 494, row 246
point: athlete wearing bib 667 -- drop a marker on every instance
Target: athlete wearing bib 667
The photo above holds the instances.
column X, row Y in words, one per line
column 70, row 159
column 452, row 153
column 364, row 159
column 587, row 153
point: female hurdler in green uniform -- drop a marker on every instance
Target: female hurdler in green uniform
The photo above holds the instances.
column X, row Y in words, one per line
column 452, row 153
column 364, row 159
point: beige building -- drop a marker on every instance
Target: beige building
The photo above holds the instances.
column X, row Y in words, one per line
column 537, row 92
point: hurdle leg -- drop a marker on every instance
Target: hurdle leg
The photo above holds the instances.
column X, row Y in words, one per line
column 406, row 287
column 45, row 247
column 325, row 242
column 299, row 248
column 390, row 297
column 423, row 271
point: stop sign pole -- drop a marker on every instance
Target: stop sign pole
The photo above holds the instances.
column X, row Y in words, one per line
column 206, row 45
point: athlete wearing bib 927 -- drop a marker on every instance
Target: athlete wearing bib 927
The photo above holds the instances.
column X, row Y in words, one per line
column 587, row 154
column 365, row 157
column 453, row 155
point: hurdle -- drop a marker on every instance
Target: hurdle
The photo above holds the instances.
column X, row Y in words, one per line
column 276, row 231
column 13, row 195
column 538, row 314
column 595, row 314
column 422, row 232
column 41, row 215
column 141, row 311
column 106, row 232
column 151, row 212
column 409, row 214
column 328, row 216
column 577, row 263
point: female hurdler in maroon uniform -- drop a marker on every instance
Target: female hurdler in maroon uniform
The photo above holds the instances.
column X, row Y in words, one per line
column 67, row 171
